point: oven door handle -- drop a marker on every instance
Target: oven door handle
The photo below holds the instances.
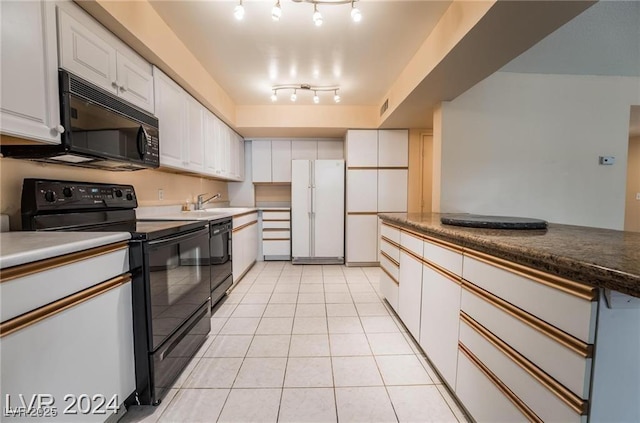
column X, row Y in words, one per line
column 184, row 333
column 180, row 238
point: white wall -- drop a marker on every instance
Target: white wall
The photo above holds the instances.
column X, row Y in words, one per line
column 528, row 145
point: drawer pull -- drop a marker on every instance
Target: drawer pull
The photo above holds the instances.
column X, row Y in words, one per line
column 574, row 402
column 32, row 317
column 581, row 348
column 411, row 253
column 48, row 264
column 390, row 276
column 390, row 242
column 241, row 227
column 391, row 259
column 517, row 402
column 442, row 271
column 576, row 289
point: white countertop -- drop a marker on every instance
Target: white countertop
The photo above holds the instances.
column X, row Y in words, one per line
column 206, row 214
column 26, row 247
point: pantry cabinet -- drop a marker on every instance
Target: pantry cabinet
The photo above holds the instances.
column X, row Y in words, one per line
column 29, row 102
column 94, row 54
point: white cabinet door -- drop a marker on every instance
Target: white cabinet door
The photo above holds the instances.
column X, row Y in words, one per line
column 195, row 135
column 135, row 82
column 261, row 160
column 240, row 158
column 281, row 161
column 362, row 148
column 393, row 148
column 410, row 293
column 238, row 241
column 304, row 150
column 392, row 190
column 330, row 150
column 328, row 208
column 362, row 190
column 362, row 238
column 209, row 142
column 86, row 53
column 301, row 211
column 440, row 321
column 29, row 104
column 171, row 106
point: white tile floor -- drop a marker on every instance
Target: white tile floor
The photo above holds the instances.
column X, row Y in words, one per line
column 305, row 344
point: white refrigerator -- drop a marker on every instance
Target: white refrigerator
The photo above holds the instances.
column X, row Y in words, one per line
column 317, row 211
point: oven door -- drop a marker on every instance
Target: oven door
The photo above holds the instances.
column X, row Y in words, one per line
column 178, row 274
column 220, row 245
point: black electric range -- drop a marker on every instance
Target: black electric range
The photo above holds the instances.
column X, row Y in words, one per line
column 169, row 262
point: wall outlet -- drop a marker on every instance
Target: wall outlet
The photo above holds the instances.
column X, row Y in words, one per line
column 606, row 160
column 638, row 196
column 160, row 194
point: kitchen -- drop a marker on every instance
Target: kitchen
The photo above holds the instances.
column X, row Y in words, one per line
column 522, row 141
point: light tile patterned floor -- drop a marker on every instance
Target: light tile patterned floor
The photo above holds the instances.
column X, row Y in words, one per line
column 305, row 344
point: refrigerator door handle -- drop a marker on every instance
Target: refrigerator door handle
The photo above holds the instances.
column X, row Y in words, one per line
column 309, row 205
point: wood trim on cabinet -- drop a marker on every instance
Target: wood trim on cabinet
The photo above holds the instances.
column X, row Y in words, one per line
column 386, row 223
column 391, row 259
column 241, row 227
column 393, row 168
column 579, row 347
column 411, row 253
column 54, row 262
column 576, row 289
column 511, row 396
column 244, row 214
column 276, row 220
column 276, row 230
column 442, row 271
column 32, row 317
column 444, row 244
column 390, row 276
column 276, row 239
column 390, row 242
column 362, row 167
column 362, row 213
column 573, row 401
column 276, row 211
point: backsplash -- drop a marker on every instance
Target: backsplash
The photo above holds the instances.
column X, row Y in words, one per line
column 176, row 188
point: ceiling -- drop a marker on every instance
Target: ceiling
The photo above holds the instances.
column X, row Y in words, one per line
column 248, row 57
column 603, row 40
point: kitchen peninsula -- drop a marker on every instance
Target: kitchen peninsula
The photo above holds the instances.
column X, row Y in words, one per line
column 541, row 325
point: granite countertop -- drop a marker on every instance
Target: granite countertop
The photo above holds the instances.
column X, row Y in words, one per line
column 26, row 247
column 603, row 258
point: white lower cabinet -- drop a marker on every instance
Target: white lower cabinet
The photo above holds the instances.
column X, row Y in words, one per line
column 362, row 238
column 276, row 234
column 244, row 244
column 410, row 292
column 440, row 320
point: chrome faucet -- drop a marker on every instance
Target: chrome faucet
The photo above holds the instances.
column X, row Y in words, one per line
column 200, row 202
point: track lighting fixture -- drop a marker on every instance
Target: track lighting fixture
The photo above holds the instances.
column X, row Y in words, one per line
column 238, row 11
column 276, row 11
column 304, row 87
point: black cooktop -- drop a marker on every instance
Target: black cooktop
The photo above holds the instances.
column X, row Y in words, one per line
column 492, row 222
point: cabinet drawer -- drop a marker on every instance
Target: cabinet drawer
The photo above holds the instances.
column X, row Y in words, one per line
column 541, row 393
column 390, row 232
column 389, row 249
column 389, row 289
column 562, row 303
column 275, row 215
column 444, row 257
column 481, row 396
column 412, row 243
column 37, row 284
column 282, row 235
column 393, row 269
column 268, row 224
column 563, row 357
column 243, row 219
column 276, row 248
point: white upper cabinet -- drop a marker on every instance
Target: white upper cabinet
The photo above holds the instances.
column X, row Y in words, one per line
column 393, row 148
column 261, row 160
column 304, row 150
column 29, row 102
column 211, row 124
column 195, row 135
column 330, row 150
column 281, row 161
column 171, row 108
column 94, row 54
column 362, row 148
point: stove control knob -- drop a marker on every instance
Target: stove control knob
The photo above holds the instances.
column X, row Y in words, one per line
column 50, row 196
column 129, row 197
column 66, row 191
column 118, row 193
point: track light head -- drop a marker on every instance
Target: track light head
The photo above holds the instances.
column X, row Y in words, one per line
column 356, row 16
column 238, row 11
column 276, row 12
column 317, row 16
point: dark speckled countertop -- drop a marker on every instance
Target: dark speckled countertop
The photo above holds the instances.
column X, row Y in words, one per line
column 603, row 258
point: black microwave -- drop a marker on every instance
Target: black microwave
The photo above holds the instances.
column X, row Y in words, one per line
column 100, row 131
